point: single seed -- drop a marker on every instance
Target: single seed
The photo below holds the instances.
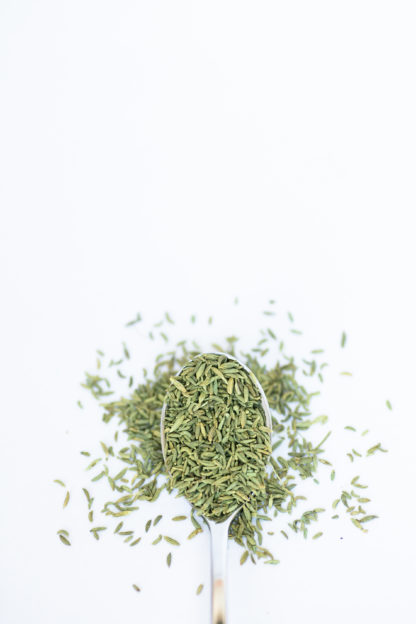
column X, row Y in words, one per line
column 64, row 540
column 170, row 540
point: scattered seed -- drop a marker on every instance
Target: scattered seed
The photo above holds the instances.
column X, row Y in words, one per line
column 170, row 540
column 64, row 540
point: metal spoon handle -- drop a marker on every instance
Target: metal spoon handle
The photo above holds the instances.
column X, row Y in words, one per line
column 218, row 602
column 219, row 540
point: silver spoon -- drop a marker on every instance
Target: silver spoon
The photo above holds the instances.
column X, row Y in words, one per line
column 219, row 530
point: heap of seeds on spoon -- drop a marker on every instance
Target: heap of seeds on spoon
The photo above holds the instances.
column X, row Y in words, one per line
column 217, row 443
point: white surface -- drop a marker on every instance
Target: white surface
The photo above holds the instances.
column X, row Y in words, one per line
column 171, row 155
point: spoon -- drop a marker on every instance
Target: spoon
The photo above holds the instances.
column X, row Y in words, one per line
column 219, row 530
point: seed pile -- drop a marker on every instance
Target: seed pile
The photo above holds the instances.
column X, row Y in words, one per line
column 139, row 417
column 217, row 444
column 217, row 441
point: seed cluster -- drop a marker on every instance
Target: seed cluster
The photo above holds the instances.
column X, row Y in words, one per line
column 217, row 442
column 218, row 449
column 139, row 415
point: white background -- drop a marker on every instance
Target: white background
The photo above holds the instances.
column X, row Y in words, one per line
column 173, row 155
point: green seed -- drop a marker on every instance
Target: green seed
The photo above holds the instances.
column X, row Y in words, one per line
column 134, row 321
column 64, row 540
column 199, row 589
column 194, row 533
column 170, row 540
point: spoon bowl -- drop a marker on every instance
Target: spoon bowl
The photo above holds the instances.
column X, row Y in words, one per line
column 219, row 529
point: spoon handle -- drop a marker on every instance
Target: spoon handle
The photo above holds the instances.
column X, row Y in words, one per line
column 218, row 602
column 219, row 540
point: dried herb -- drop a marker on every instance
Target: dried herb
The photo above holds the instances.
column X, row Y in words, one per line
column 64, row 540
column 226, row 404
column 217, row 442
